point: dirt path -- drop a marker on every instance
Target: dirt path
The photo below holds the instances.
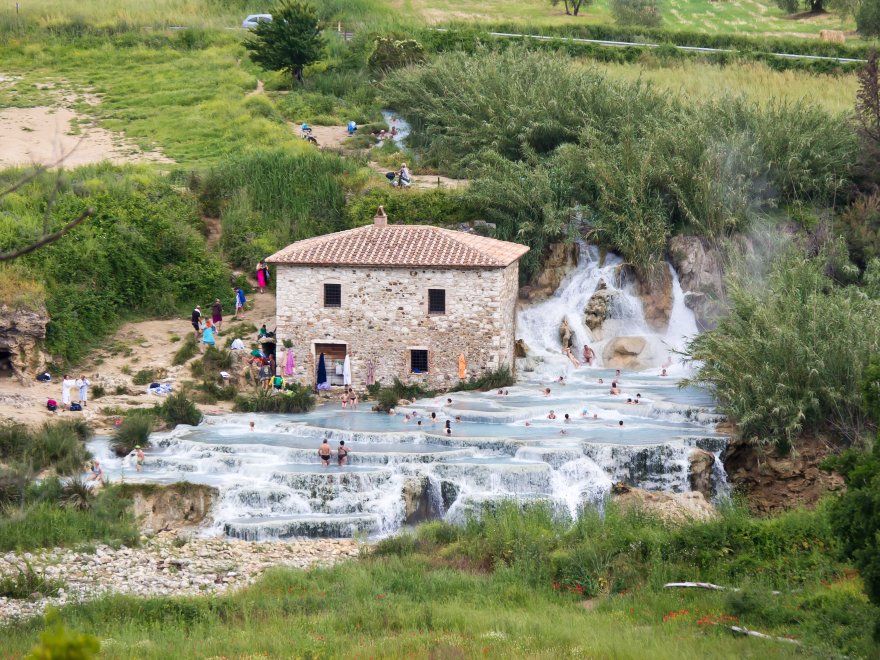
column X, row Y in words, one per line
column 335, row 138
column 53, row 136
column 135, row 346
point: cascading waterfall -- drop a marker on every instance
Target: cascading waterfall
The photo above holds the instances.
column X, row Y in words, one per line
column 504, row 446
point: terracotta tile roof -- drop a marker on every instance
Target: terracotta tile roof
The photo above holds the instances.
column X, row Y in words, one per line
column 401, row 246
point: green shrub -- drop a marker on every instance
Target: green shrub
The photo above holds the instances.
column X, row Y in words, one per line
column 42, row 523
column 271, row 198
column 25, row 583
column 502, row 377
column 135, row 430
column 388, row 397
column 141, row 253
column 297, row 400
column 570, row 155
column 147, row 376
column 188, row 350
column 213, row 361
column 98, row 391
column 58, row 642
column 177, row 409
column 389, row 53
column 789, row 357
column 636, row 12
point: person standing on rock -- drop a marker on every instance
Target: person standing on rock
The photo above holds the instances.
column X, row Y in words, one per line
column 589, row 355
column 83, row 384
column 196, row 320
column 67, row 384
column 217, row 314
column 324, row 453
column 138, row 458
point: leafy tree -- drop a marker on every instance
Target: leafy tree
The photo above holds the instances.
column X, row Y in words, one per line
column 791, row 6
column 389, row 54
column 572, row 7
column 856, row 514
column 637, row 12
column 289, row 42
column 868, row 19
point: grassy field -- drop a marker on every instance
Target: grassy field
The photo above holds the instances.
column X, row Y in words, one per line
column 520, row 585
column 737, row 16
column 401, row 608
column 741, row 16
column 755, row 81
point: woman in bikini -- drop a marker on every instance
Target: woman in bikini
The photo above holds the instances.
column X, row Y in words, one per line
column 342, row 453
column 324, row 453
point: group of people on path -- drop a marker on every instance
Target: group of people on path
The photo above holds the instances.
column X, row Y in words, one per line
column 68, row 384
column 208, row 328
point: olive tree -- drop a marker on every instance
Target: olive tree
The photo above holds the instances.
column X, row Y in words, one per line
column 289, row 42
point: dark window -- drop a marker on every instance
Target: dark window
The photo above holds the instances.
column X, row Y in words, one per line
column 332, row 295
column 418, row 361
column 436, row 301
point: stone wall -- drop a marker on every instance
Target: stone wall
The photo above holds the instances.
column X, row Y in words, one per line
column 384, row 314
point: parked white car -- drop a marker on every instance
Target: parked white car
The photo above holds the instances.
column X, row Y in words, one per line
column 254, row 19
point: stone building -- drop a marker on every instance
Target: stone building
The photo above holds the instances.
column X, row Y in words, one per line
column 408, row 298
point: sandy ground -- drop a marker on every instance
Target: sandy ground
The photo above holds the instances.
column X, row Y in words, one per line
column 43, row 136
column 335, row 137
column 150, row 345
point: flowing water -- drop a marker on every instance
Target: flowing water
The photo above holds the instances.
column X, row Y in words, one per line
column 502, row 446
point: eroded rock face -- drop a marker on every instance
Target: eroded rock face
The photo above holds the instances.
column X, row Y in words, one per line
column 598, row 308
column 701, row 463
column 701, row 275
column 160, row 508
column 417, row 502
column 655, row 294
column 560, row 259
column 21, row 335
column 627, row 353
column 773, row 483
column 671, row 507
column 565, row 334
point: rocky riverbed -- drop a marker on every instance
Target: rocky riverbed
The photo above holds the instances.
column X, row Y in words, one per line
column 165, row 565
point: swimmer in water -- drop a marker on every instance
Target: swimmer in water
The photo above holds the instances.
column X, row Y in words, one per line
column 252, row 426
column 614, row 388
column 458, row 418
column 546, row 391
column 663, row 372
column 552, row 415
column 600, row 381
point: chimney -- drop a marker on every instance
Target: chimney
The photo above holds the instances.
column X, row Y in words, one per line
column 380, row 219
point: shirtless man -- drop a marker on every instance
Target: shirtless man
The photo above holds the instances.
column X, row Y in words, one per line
column 324, row 453
column 614, row 388
column 138, row 458
column 552, row 415
column 589, row 355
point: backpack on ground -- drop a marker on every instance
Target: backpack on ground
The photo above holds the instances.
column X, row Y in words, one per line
column 75, row 407
column 51, row 405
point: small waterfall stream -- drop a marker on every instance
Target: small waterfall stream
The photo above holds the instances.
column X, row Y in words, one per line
column 503, row 446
